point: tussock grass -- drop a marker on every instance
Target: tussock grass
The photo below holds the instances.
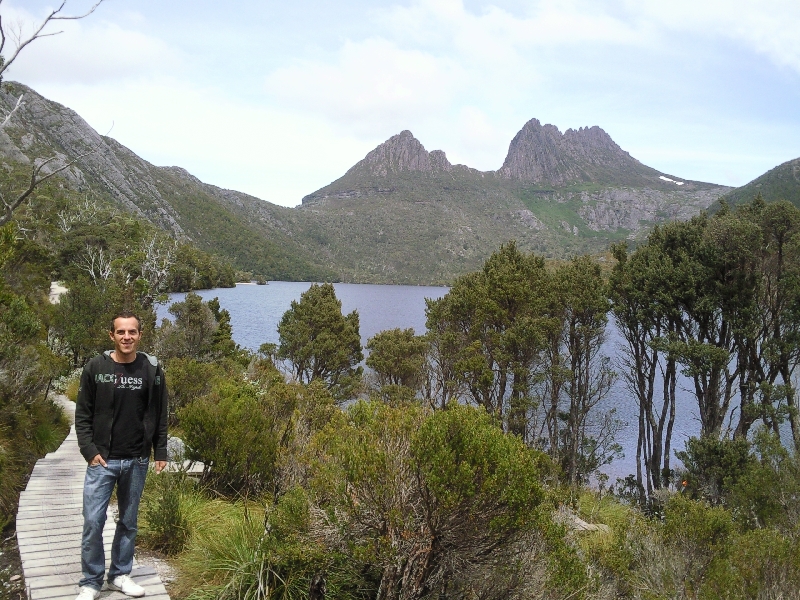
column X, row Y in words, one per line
column 220, row 550
column 71, row 390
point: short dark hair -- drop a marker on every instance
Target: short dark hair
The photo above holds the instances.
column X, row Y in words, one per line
column 125, row 314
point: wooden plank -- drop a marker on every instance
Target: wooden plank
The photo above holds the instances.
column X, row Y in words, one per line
column 49, row 527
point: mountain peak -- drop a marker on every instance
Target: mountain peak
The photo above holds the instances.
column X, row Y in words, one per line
column 541, row 154
column 401, row 152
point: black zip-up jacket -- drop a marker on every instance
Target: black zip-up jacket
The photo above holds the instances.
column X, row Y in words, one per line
column 94, row 411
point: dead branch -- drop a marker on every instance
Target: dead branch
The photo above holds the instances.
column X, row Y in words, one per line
column 38, row 32
column 96, row 263
column 13, row 110
column 36, row 179
column 157, row 263
column 21, row 42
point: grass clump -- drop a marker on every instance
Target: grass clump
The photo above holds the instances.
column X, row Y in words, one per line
column 269, row 551
column 71, row 390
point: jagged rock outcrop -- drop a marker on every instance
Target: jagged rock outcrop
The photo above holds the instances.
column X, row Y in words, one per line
column 401, row 152
column 632, row 209
column 541, row 154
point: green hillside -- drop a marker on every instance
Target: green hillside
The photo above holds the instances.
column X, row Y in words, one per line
column 780, row 183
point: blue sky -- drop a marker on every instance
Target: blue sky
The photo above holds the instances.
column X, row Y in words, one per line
column 277, row 99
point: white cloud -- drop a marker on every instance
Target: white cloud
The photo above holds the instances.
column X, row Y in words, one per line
column 497, row 34
column 770, row 27
column 463, row 80
column 477, row 140
column 370, row 84
column 90, row 51
column 276, row 155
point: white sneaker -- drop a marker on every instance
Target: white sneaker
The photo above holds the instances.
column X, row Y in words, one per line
column 87, row 593
column 126, row 585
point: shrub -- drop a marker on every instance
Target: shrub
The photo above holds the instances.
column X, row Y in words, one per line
column 188, row 380
column 767, row 565
column 28, row 431
column 166, row 526
column 768, row 494
column 248, row 433
column 714, row 465
column 72, row 389
column 421, row 499
column 233, row 432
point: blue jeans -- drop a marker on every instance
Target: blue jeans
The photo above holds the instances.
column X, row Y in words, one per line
column 128, row 475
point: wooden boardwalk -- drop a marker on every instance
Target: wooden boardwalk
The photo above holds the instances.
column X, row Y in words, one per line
column 49, row 526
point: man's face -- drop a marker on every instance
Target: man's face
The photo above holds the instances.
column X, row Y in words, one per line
column 126, row 336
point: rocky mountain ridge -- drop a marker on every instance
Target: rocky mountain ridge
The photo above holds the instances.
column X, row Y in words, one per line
column 215, row 220
column 541, row 154
column 400, row 215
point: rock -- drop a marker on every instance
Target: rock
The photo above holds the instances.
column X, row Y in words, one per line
column 543, row 155
column 402, row 152
column 56, row 290
column 176, row 449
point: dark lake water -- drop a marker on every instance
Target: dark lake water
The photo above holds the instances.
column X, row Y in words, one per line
column 257, row 309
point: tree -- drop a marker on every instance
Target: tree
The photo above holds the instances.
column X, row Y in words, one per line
column 644, row 313
column 492, row 325
column 397, row 357
column 767, row 336
column 81, row 322
column 194, row 332
column 320, row 343
column 713, row 299
column 588, row 376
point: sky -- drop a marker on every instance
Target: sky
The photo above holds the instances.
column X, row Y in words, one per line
column 277, row 99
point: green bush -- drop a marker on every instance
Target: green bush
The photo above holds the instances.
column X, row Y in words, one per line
column 232, row 431
column 247, row 431
column 714, row 465
column 166, row 526
column 768, row 493
column 28, row 431
column 72, row 389
column 703, row 535
column 767, row 564
column 188, row 380
column 394, row 479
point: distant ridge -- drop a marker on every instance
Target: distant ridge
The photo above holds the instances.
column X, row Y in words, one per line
column 404, row 214
column 216, row 220
column 401, row 215
column 779, row 183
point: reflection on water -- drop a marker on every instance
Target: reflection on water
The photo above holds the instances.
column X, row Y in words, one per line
column 257, row 309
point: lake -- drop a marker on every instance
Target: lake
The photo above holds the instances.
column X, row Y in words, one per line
column 257, row 309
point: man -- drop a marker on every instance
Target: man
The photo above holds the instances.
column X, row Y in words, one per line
column 120, row 416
